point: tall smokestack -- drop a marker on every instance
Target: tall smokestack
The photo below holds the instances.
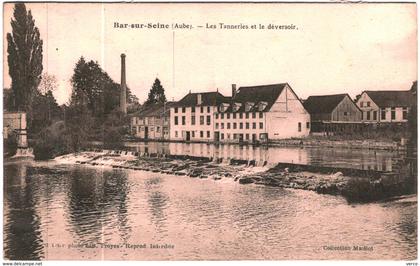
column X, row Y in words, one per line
column 123, row 94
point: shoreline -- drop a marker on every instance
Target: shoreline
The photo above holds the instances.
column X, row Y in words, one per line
column 305, row 142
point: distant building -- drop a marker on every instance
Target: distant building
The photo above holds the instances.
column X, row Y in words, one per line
column 332, row 113
column 152, row 123
column 261, row 113
column 192, row 118
column 385, row 106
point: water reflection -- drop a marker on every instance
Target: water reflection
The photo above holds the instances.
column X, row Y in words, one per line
column 22, row 239
column 351, row 158
column 203, row 219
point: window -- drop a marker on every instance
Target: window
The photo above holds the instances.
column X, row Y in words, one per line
column 176, row 109
column 222, row 136
column 234, row 115
column 247, row 125
column 254, row 125
column 361, row 104
column 217, row 125
column 375, row 115
column 208, row 120
column 405, row 113
column 308, row 125
column 261, row 114
column 152, row 128
column 241, row 115
column 208, row 109
column 193, row 120
column 183, row 109
column 217, row 116
column 368, row 115
column 183, row 120
column 176, row 120
column 247, row 115
column 393, row 113
column 234, row 125
column 261, row 125
column 227, row 116
column 346, row 113
column 193, row 134
column 193, row 109
column 228, row 125
column 299, row 126
column 254, row 115
column 201, row 109
column 383, row 113
column 201, row 134
column 201, row 119
column 157, row 129
column 241, row 125
column 222, row 116
column 208, row 134
column 247, row 136
column 228, row 136
column 176, row 134
column 368, row 104
column 222, row 125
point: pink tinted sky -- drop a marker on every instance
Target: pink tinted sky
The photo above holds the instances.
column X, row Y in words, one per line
column 337, row 48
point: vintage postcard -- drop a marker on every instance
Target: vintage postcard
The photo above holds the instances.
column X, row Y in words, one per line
column 209, row 131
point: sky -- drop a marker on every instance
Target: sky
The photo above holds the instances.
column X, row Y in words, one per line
column 334, row 48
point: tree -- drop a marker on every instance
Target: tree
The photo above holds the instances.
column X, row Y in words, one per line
column 156, row 94
column 24, row 48
column 48, row 83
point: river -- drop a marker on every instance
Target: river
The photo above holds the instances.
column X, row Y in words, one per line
column 380, row 160
column 54, row 212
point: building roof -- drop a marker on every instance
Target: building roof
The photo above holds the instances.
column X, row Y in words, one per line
column 155, row 110
column 207, row 99
column 323, row 103
column 391, row 98
column 257, row 94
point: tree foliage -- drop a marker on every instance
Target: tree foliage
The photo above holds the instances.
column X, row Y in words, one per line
column 156, row 94
column 48, row 83
column 24, row 48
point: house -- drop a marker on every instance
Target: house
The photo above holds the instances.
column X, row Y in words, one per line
column 152, row 123
column 385, row 106
column 261, row 113
column 192, row 118
column 335, row 112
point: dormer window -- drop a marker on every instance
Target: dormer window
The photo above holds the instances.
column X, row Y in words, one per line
column 223, row 107
column 236, row 106
column 262, row 106
column 248, row 106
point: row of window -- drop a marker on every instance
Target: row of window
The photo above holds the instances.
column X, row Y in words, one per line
column 262, row 136
column 202, row 117
column 363, row 103
column 241, row 125
column 241, row 115
column 373, row 115
column 193, row 134
column 193, row 109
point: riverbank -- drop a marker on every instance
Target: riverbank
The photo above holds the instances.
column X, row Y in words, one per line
column 368, row 144
column 354, row 184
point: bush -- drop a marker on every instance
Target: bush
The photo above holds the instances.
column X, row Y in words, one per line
column 51, row 142
column 10, row 145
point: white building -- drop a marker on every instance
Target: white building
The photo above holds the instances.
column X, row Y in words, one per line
column 261, row 113
column 385, row 106
column 192, row 118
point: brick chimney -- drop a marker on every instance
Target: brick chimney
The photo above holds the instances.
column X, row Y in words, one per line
column 123, row 86
column 233, row 90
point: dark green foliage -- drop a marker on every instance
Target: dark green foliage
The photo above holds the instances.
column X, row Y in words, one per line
column 93, row 86
column 114, row 128
column 45, row 112
column 24, row 48
column 156, row 94
column 51, row 142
